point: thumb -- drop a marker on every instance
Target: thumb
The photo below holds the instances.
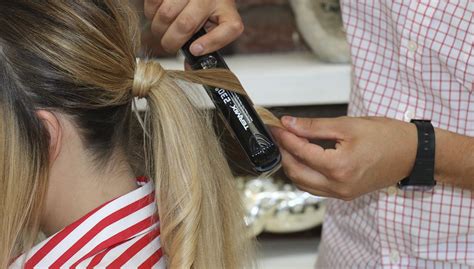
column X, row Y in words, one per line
column 315, row 128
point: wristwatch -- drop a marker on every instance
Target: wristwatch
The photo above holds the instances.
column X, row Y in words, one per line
column 421, row 177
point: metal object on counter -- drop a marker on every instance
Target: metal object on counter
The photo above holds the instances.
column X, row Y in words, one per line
column 278, row 207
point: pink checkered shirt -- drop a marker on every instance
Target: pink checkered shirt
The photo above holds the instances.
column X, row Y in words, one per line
column 411, row 59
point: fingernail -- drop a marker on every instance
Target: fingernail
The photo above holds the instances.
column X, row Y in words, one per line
column 288, row 121
column 197, row 49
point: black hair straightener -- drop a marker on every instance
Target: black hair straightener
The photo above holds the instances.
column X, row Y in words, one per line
column 238, row 112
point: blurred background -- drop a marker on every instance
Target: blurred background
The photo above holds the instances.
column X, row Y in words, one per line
column 293, row 59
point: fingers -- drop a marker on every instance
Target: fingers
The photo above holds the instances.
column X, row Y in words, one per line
column 330, row 128
column 310, row 154
column 175, row 21
column 150, row 8
column 165, row 15
column 309, row 180
column 304, row 177
column 209, row 26
column 193, row 17
column 229, row 28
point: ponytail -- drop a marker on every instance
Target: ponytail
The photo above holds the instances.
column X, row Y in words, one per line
column 200, row 210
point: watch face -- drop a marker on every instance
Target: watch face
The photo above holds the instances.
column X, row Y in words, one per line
column 416, row 188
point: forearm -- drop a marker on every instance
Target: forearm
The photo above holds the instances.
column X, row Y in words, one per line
column 454, row 159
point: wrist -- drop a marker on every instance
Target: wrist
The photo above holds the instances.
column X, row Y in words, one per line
column 410, row 145
column 448, row 146
column 422, row 175
column 440, row 135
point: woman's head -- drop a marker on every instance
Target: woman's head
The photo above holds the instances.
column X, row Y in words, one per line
column 75, row 60
column 70, row 58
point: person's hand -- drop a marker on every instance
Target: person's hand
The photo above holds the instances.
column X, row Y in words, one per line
column 370, row 154
column 175, row 21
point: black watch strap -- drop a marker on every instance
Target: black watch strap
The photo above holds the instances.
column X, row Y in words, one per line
column 422, row 175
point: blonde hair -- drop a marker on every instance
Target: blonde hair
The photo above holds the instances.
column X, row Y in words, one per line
column 78, row 58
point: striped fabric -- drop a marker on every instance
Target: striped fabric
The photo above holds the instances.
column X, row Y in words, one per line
column 123, row 233
column 411, row 60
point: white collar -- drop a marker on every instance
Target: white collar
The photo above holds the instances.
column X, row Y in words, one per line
column 117, row 221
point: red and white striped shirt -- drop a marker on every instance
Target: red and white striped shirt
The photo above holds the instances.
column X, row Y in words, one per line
column 411, row 59
column 123, row 233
